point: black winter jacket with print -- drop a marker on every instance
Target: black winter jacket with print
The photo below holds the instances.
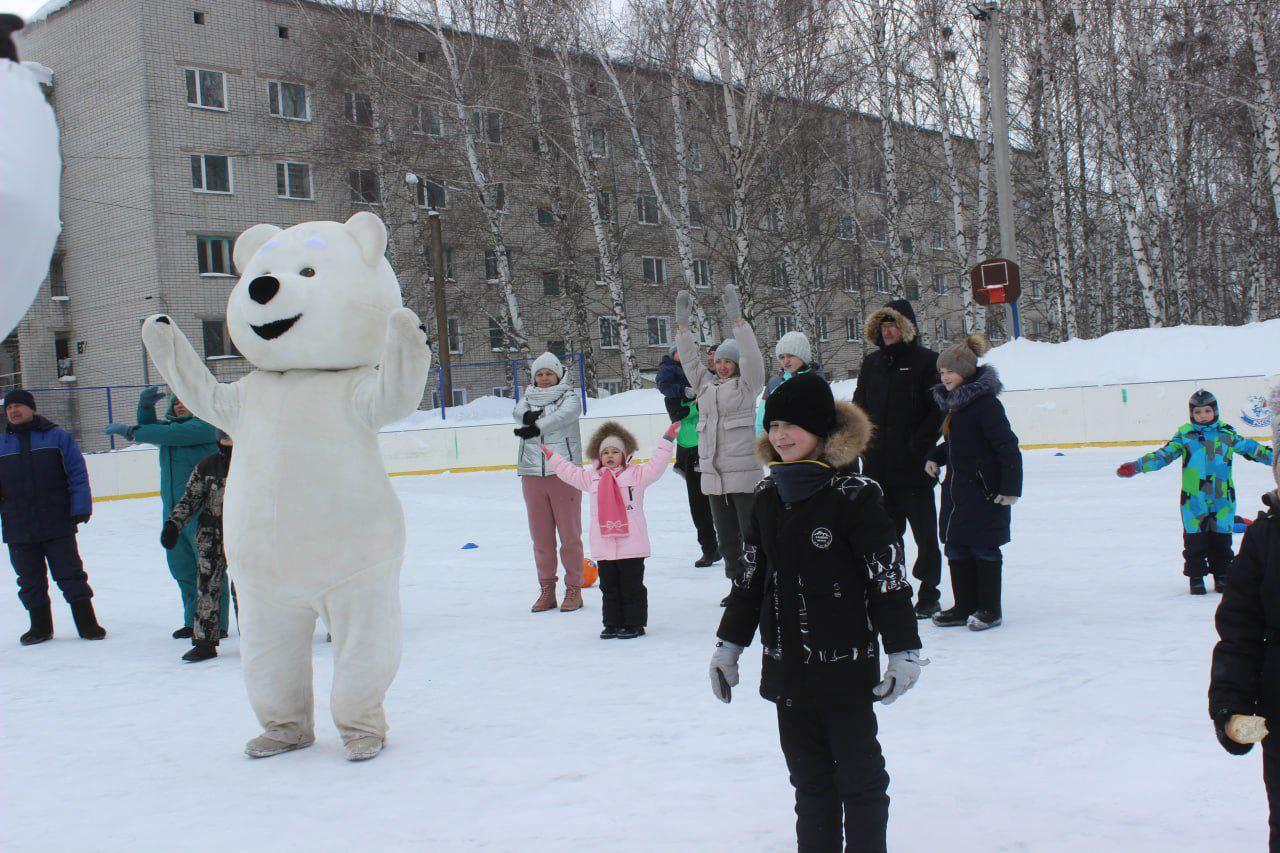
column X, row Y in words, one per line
column 823, row 580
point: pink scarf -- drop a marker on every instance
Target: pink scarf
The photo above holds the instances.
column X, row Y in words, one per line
column 613, row 510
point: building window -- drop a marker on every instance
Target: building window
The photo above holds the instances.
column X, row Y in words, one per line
column 844, row 179
column 358, row 108
column 550, row 283
column 937, row 238
column 940, row 330
column 498, row 340
column 288, row 100
column 546, row 217
column 659, row 335
column 820, row 326
column 62, row 356
column 206, row 89
column 849, row 279
column 695, row 214
column 782, row 324
column 495, row 194
column 502, row 391
column 819, row 275
column 778, row 275
column 844, row 228
column 213, row 256
column 217, row 341
column 599, row 142
column 878, row 230
column 599, row 270
column 450, row 267
column 293, row 180
column 422, row 56
column 486, row 125
column 211, row 173
column 701, row 273
column 655, row 270
column 608, row 333
column 556, row 347
column 364, row 186
column 647, row 209
column 694, row 152
column 772, row 222
column 940, row 283
column 491, row 265
column 609, row 387
column 432, row 193
column 282, row 31
column 458, row 397
column 912, row 289
column 646, row 145
column 852, row 328
column 931, row 192
column 198, row 17
column 882, row 280
column 873, row 180
column 57, row 278
column 731, row 217
column 427, row 120
column 453, row 325
column 1033, row 288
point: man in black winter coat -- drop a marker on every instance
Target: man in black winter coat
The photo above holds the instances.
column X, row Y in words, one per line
column 1246, row 662
column 894, row 389
column 44, row 495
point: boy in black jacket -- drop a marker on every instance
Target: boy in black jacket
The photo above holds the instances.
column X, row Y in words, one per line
column 1244, row 692
column 822, row 576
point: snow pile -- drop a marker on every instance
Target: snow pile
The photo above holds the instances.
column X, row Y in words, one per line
column 1141, row 355
column 48, row 9
column 478, row 412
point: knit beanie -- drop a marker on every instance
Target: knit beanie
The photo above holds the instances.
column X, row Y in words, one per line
column 729, row 351
column 804, row 400
column 1202, row 398
column 794, row 343
column 18, row 395
column 547, row 361
column 963, row 357
column 671, row 350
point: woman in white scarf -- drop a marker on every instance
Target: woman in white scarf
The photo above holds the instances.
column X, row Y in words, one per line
column 547, row 415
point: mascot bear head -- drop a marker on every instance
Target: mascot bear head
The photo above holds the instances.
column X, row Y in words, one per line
column 317, row 295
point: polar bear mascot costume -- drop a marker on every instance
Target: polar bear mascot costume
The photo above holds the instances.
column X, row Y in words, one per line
column 311, row 524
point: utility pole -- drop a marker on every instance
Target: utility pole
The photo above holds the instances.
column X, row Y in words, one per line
column 993, row 55
column 442, row 319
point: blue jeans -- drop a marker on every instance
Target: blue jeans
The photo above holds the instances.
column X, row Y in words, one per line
column 972, row 552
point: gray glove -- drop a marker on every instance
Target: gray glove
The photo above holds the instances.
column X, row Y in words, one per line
column 1006, row 500
column 724, row 664
column 900, row 675
column 690, row 393
column 684, row 308
column 732, row 305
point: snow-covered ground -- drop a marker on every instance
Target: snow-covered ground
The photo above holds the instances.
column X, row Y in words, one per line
column 1079, row 725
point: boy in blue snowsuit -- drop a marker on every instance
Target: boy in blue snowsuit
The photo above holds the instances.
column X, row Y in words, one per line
column 1206, row 446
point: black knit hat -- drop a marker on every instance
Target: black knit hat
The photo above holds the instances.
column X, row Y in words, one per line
column 17, row 395
column 804, row 400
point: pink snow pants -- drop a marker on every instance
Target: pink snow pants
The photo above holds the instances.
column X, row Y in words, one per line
column 554, row 507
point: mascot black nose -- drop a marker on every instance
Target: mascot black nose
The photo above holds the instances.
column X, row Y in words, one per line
column 263, row 289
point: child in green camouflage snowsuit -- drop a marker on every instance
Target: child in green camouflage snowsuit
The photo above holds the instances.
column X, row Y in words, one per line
column 1206, row 446
column 203, row 499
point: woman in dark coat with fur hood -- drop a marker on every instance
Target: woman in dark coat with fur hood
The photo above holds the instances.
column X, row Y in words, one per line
column 984, row 481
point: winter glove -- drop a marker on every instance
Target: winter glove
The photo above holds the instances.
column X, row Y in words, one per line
column 1006, row 500
column 547, row 451
column 1128, row 469
column 931, row 468
column 79, row 519
column 530, row 416
column 900, row 675
column 724, row 669
column 689, row 393
column 732, row 305
column 150, row 396
column 122, row 430
column 169, row 535
column 527, row 431
column 1227, row 728
column 670, row 434
column 684, row 308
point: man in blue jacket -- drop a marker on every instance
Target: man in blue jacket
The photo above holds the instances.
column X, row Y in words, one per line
column 44, row 495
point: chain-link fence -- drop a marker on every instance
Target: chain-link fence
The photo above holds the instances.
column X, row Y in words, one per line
column 87, row 410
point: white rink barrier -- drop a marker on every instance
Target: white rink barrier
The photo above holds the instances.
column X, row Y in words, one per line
column 1097, row 416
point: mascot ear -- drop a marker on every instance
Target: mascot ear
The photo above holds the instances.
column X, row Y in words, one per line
column 248, row 243
column 370, row 235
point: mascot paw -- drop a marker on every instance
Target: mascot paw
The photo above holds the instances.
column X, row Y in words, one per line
column 157, row 330
column 404, row 321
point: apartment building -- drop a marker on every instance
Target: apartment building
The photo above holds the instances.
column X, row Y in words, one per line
column 185, row 123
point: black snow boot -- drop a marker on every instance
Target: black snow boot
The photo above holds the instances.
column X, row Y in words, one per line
column 41, row 626
column 201, row 650
column 708, row 559
column 927, row 609
column 1197, row 586
column 630, row 632
column 87, row 620
column 989, row 576
column 184, row 633
column 964, row 579
column 1219, row 584
column 610, row 632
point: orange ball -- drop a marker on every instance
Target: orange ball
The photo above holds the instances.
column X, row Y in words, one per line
column 590, row 572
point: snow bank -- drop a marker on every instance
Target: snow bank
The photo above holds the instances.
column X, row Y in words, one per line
column 1141, row 355
column 48, row 9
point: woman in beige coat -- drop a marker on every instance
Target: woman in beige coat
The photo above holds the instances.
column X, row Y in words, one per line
column 726, row 420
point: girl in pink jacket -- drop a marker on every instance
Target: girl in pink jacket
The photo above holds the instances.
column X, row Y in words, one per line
column 619, row 534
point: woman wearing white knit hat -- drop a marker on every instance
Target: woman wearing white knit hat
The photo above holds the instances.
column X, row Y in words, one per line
column 795, row 356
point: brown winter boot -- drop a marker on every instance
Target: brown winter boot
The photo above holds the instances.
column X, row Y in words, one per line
column 546, row 599
column 572, row 599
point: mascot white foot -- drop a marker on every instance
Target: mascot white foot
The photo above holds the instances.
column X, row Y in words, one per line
column 312, row 527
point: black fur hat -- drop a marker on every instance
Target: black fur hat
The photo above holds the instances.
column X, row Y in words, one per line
column 9, row 24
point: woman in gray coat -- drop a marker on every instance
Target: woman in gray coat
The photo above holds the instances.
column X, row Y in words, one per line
column 726, row 421
column 548, row 417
